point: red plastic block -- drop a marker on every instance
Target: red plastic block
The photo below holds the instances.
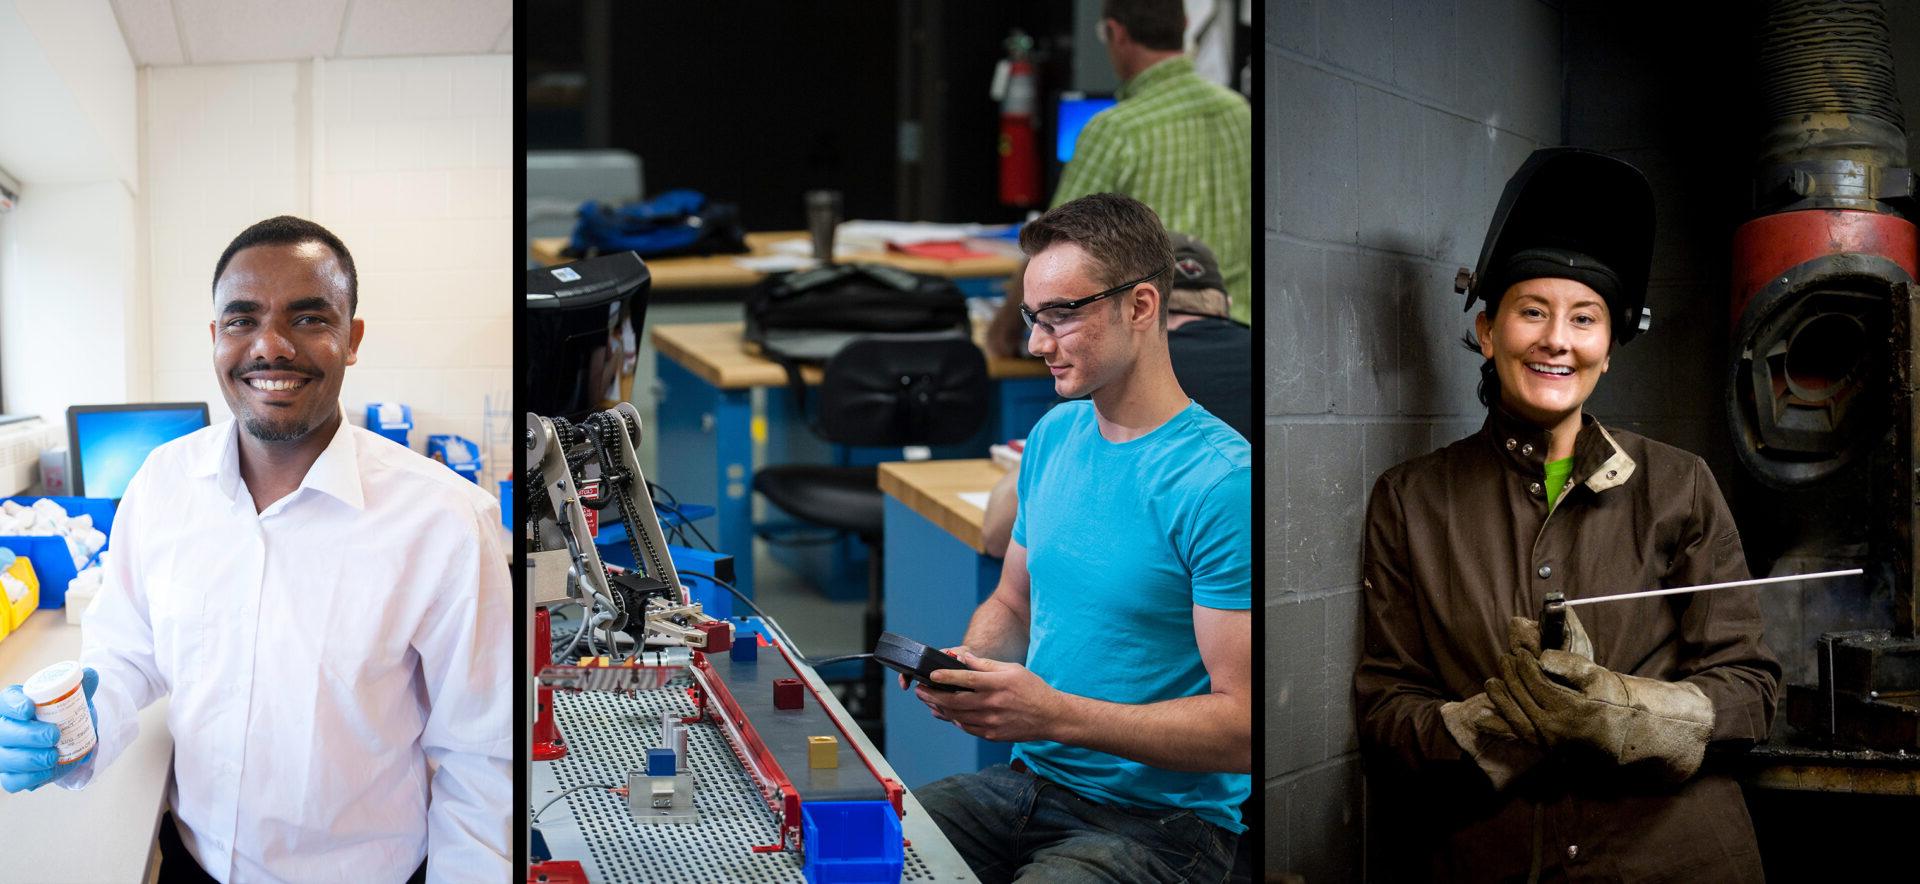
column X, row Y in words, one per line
column 719, row 636
column 788, row 693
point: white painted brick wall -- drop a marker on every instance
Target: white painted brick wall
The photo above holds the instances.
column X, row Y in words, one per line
column 408, row 160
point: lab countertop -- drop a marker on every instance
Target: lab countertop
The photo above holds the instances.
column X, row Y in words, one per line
column 722, row 271
column 104, row 832
column 932, row 488
column 716, row 352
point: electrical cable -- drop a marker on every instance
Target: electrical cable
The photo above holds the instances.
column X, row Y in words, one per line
column 840, row 659
column 673, row 506
column 563, row 794
column 772, row 624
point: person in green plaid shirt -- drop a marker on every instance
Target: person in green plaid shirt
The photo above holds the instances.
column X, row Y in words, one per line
column 1175, row 141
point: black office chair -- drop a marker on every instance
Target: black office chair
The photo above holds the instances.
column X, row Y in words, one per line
column 891, row 391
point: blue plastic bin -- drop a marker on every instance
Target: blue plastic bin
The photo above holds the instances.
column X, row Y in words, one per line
column 458, row 453
column 51, row 561
column 851, row 841
column 396, row 430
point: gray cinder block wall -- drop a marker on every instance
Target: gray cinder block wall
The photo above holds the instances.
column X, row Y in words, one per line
column 1391, row 127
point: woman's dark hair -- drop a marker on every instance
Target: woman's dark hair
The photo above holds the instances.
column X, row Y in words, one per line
column 1489, row 389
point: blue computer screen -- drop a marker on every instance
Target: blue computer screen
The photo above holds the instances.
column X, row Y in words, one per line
column 1074, row 114
column 110, row 446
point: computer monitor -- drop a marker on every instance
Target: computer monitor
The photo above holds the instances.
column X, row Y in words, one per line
column 1074, row 109
column 108, row 443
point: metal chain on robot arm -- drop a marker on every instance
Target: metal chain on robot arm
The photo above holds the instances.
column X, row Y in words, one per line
column 559, row 452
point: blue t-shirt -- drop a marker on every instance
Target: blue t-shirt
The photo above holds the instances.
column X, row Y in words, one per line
column 1122, row 541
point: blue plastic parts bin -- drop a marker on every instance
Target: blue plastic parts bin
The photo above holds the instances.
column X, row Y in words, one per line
column 51, row 561
column 396, row 430
column 458, row 453
column 851, row 841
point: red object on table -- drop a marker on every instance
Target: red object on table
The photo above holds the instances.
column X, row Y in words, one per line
column 788, row 693
column 943, row 250
column 719, row 636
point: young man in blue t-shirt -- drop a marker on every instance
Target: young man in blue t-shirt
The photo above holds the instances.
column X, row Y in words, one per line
column 1125, row 593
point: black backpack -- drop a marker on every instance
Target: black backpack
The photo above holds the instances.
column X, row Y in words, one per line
column 804, row 318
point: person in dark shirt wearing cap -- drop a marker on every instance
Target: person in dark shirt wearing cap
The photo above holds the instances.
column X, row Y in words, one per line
column 1212, row 354
column 1492, row 757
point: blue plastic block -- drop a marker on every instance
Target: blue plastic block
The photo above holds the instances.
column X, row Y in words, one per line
column 660, row 762
column 506, row 503
column 52, row 563
column 851, row 841
column 746, row 648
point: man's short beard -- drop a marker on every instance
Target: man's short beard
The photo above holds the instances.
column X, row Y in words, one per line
column 267, row 431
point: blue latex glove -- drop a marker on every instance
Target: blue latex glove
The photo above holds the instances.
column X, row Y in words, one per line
column 27, row 757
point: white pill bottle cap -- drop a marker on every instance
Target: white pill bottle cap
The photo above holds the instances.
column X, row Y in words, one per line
column 53, row 682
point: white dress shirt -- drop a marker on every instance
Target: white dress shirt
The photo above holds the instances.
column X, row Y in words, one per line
column 339, row 664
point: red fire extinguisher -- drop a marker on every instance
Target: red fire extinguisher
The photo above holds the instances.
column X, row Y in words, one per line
column 1016, row 87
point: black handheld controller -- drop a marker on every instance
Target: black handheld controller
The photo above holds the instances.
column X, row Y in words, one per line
column 1553, row 622
column 915, row 660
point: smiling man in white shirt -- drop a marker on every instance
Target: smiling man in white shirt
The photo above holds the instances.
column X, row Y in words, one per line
column 329, row 612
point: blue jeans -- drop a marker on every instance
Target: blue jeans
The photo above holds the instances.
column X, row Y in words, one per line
column 1010, row 825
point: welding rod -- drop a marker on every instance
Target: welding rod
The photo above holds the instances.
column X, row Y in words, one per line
column 1785, row 578
column 1553, row 611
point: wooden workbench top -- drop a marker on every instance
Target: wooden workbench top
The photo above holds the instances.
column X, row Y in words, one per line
column 721, row 271
column 932, row 488
column 715, row 351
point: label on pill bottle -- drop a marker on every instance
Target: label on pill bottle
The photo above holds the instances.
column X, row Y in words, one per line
column 59, row 700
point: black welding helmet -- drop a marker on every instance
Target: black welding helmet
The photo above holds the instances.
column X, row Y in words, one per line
column 1573, row 214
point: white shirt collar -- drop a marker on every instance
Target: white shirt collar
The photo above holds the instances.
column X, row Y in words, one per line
column 336, row 472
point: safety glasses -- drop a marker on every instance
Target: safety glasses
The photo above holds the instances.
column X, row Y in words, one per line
column 1063, row 316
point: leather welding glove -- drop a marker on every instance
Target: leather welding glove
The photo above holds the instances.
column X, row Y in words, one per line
column 1566, row 699
column 1475, row 723
column 28, row 759
column 1488, row 740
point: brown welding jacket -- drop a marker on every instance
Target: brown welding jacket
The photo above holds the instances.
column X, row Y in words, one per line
column 1459, row 540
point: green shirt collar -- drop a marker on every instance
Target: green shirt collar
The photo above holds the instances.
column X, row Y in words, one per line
column 1160, row 72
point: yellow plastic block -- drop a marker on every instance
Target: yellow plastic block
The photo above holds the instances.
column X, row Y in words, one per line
column 823, row 752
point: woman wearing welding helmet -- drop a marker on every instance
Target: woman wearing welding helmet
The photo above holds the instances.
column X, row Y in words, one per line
column 1495, row 759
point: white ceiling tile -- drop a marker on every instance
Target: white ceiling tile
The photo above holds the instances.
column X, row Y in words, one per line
column 424, row 27
column 227, row 31
column 152, row 37
column 188, row 32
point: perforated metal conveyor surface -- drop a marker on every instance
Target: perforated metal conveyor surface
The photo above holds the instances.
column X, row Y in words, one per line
column 607, row 736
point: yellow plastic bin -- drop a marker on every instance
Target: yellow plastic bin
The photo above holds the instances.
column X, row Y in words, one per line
column 17, row 612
